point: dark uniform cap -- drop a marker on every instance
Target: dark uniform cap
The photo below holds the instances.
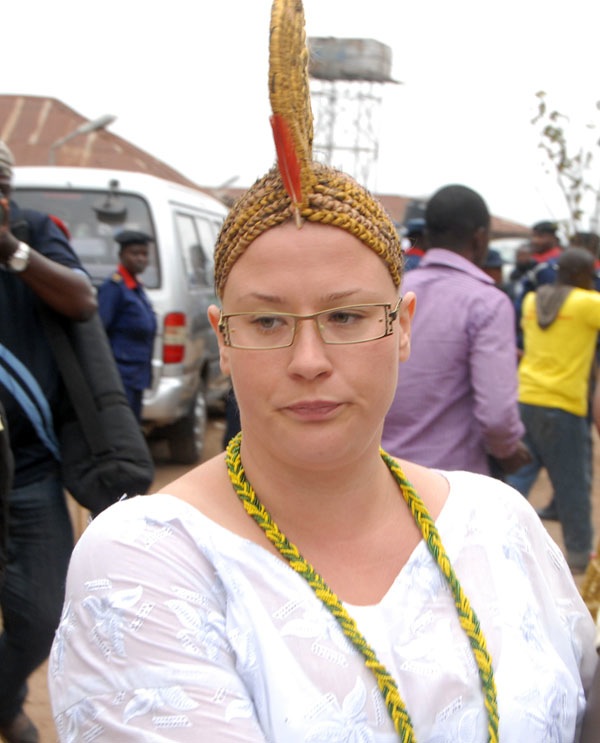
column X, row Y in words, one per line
column 545, row 226
column 132, row 237
column 493, row 259
column 415, row 226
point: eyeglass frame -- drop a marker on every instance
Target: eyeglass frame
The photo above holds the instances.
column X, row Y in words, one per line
column 390, row 317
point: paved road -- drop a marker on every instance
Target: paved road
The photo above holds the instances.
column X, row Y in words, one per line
column 38, row 706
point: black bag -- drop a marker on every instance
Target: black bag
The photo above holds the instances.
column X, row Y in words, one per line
column 103, row 450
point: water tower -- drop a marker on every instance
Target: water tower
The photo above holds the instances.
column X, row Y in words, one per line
column 347, row 76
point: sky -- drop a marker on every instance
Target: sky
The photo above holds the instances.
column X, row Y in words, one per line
column 187, row 81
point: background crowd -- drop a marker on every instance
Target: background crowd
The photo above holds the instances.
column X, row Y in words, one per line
column 514, row 373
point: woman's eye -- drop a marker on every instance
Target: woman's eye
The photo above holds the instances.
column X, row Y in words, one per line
column 344, row 317
column 267, row 322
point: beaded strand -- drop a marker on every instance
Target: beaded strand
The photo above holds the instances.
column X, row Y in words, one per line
column 467, row 617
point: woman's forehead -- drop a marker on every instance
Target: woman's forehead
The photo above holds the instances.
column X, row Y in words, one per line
column 312, row 244
column 313, row 249
column 316, row 260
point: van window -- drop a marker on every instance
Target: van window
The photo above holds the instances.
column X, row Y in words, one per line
column 93, row 227
column 208, row 237
column 194, row 234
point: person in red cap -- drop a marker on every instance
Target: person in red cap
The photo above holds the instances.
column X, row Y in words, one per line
column 128, row 316
column 545, row 252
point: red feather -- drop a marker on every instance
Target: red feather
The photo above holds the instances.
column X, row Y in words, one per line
column 287, row 158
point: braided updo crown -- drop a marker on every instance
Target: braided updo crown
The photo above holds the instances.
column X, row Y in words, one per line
column 336, row 199
column 298, row 188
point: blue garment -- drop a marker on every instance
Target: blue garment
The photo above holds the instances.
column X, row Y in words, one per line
column 39, row 547
column 130, row 324
column 412, row 258
column 22, row 334
column 542, row 273
column 559, row 442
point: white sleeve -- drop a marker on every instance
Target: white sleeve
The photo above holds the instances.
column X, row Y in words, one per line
column 142, row 652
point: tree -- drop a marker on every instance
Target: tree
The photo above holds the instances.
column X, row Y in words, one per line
column 572, row 164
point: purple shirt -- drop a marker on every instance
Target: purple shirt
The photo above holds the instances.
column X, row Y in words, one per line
column 456, row 399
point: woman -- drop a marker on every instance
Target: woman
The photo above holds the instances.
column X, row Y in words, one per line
column 128, row 317
column 204, row 620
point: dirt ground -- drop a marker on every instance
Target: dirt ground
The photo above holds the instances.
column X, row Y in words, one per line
column 38, row 706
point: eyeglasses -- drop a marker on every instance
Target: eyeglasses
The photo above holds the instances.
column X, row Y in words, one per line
column 261, row 331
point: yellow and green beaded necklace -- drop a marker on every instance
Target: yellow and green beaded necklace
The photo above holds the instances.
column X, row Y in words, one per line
column 386, row 683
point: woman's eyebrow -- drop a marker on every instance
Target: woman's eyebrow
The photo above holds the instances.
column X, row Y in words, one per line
column 274, row 299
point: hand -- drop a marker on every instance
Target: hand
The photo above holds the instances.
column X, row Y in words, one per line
column 8, row 242
column 519, row 458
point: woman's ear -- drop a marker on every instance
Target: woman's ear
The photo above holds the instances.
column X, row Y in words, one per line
column 214, row 315
column 405, row 316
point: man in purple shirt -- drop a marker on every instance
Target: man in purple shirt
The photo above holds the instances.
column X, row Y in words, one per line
column 456, row 401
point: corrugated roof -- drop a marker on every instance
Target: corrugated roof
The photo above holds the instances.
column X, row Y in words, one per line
column 31, row 124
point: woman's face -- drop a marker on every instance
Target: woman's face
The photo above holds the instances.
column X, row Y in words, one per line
column 313, row 399
column 134, row 258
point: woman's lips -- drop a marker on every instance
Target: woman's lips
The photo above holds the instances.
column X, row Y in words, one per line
column 313, row 409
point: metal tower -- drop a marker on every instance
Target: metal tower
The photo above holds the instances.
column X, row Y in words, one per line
column 347, row 78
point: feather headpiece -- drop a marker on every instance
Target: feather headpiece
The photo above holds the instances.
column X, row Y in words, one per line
column 297, row 187
column 289, row 92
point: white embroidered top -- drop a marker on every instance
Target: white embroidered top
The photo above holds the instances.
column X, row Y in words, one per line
column 176, row 629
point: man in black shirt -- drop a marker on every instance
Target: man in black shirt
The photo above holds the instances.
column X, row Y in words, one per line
column 37, row 266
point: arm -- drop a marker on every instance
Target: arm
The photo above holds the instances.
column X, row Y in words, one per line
column 143, row 648
column 513, row 462
column 493, row 366
column 109, row 300
column 65, row 290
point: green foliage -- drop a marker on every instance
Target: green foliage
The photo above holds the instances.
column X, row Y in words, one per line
column 571, row 163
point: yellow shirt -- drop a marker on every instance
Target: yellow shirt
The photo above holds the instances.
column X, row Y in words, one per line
column 554, row 371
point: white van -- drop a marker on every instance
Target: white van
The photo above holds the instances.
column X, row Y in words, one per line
column 95, row 204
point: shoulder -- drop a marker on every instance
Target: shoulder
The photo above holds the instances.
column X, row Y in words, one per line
column 472, row 485
column 489, row 308
column 46, row 238
column 41, row 225
column 111, row 285
column 207, row 490
column 589, row 297
column 498, row 512
column 33, row 217
column 487, row 514
column 585, row 305
column 151, row 532
column 486, row 500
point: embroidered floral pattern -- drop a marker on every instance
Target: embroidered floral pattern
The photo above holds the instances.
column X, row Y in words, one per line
column 212, row 638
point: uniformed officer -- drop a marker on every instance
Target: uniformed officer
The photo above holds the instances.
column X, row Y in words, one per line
column 128, row 316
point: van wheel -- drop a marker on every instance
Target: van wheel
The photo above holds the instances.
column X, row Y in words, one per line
column 186, row 437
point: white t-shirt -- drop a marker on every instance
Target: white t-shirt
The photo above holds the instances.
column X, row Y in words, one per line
column 176, row 629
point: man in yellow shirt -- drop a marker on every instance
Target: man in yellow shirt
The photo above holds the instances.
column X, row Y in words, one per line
column 560, row 324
